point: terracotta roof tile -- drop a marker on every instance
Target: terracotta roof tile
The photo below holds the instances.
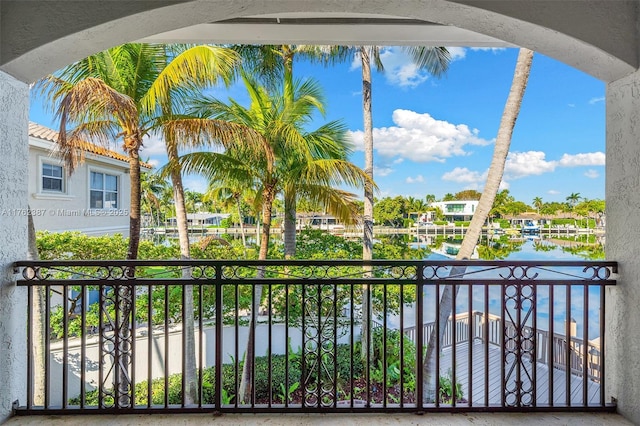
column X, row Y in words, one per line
column 45, row 133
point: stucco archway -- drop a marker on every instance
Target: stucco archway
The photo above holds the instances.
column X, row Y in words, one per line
column 598, row 37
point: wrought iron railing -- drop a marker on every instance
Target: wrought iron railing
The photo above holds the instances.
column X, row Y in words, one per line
column 155, row 336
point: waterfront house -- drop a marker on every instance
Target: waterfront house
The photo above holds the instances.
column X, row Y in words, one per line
column 457, row 210
column 93, row 200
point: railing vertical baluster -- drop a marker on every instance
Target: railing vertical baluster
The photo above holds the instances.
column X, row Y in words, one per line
column 236, row 367
column 402, row 345
column 534, row 356
column 117, row 369
column 303, row 357
column 201, row 288
column 585, row 346
column 183, row 349
column 335, row 346
column 30, row 344
column 454, row 344
column 319, row 347
column 419, row 337
column 253, row 327
column 166, row 346
column 132, row 357
column 83, row 346
column 351, row 341
column 485, row 339
column 568, row 348
column 65, row 344
column 470, row 327
column 270, row 348
column 601, row 355
column 101, row 332
column 149, row 345
column 384, row 346
column 503, row 347
column 219, row 338
column 438, row 339
column 519, row 328
column 286, row 340
column 552, row 356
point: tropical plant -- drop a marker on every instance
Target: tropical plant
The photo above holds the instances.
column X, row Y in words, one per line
column 494, row 177
column 128, row 92
column 276, row 129
column 573, row 199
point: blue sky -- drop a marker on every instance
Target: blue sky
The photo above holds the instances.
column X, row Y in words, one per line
column 435, row 136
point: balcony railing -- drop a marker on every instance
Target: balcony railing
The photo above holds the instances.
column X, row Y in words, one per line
column 158, row 336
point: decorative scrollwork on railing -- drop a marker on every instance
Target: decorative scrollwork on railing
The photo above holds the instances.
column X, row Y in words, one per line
column 319, row 346
column 519, row 344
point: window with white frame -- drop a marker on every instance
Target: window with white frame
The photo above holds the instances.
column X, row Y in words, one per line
column 103, row 191
column 52, row 178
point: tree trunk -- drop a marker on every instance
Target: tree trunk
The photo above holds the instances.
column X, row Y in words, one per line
column 244, row 237
column 496, row 170
column 190, row 371
column 246, row 384
column 38, row 303
column 289, row 224
column 126, row 292
column 367, row 236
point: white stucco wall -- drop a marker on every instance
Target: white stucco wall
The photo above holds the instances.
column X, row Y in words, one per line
column 622, row 344
column 69, row 211
column 14, row 116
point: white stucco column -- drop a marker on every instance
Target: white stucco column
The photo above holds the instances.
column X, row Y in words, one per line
column 623, row 239
column 14, row 121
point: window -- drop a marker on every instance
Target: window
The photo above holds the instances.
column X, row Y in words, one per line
column 455, row 208
column 103, row 191
column 52, row 179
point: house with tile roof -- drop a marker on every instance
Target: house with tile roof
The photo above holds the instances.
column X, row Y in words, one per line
column 93, row 200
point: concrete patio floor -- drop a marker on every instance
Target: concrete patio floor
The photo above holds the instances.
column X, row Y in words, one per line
column 547, row 419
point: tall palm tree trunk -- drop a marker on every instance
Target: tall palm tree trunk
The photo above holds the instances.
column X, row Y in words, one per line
column 367, row 237
column 242, row 232
column 494, row 177
column 126, row 293
column 246, row 383
column 38, row 303
column 289, row 224
column 188, row 328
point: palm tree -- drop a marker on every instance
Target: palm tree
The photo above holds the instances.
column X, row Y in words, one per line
column 436, row 61
column 233, row 192
column 537, row 203
column 573, row 199
column 273, row 132
column 128, row 92
column 494, row 177
column 274, row 63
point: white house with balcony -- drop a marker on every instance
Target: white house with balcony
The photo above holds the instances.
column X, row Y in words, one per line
column 93, row 200
column 457, row 210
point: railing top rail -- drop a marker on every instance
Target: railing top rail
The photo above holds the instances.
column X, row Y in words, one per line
column 346, row 262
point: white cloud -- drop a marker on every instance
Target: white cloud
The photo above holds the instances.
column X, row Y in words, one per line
column 594, row 101
column 585, row 159
column 571, row 105
column 457, row 53
column 463, row 175
column 494, row 50
column 521, row 164
column 592, row 174
column 400, row 69
column 153, row 145
column 421, row 138
column 417, row 179
column 398, row 161
column 530, row 163
column 553, row 192
column 382, row 171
